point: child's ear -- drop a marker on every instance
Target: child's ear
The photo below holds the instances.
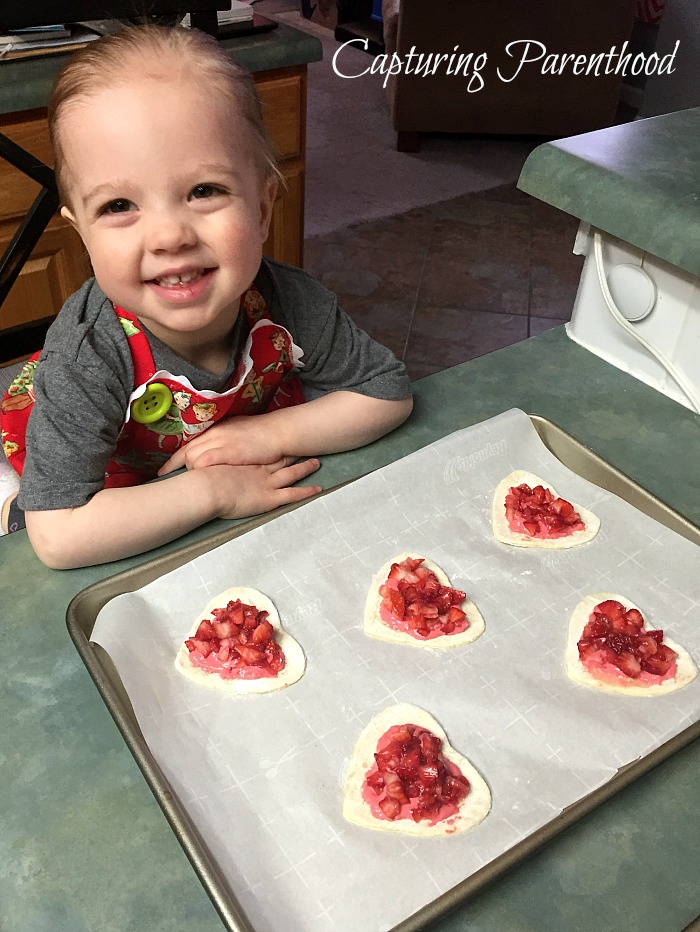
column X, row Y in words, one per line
column 67, row 215
column 268, row 193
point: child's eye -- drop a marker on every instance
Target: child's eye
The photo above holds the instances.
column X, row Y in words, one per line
column 118, row 206
column 206, row 190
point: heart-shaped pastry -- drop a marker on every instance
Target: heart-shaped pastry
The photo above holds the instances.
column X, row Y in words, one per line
column 411, row 602
column 610, row 647
column 405, row 777
column 527, row 512
column 238, row 645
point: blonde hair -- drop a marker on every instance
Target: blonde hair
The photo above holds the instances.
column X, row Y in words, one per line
column 106, row 63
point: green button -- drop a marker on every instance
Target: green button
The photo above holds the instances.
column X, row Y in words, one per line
column 153, row 404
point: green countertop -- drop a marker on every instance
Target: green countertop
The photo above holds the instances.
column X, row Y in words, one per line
column 639, row 181
column 83, row 844
column 25, row 82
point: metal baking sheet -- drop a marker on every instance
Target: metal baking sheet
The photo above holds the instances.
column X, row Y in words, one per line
column 84, row 609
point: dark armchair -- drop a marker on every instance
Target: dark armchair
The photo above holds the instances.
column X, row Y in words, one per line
column 532, row 102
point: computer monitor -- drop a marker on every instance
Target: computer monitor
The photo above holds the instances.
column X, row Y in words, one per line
column 18, row 15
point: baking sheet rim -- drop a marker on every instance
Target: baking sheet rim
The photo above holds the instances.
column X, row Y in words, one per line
column 82, row 613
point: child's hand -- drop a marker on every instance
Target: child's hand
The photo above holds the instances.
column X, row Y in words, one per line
column 334, row 422
column 236, row 441
column 242, row 491
column 157, row 512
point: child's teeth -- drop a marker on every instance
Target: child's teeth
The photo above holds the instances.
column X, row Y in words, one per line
column 179, row 279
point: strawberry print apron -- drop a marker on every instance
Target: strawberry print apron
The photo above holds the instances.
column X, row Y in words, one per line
column 165, row 411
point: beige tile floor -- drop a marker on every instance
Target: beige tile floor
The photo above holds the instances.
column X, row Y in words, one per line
column 443, row 284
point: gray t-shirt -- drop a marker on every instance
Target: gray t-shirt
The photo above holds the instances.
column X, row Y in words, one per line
column 85, row 377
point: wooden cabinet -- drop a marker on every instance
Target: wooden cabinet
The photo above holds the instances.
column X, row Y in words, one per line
column 59, row 264
column 283, row 97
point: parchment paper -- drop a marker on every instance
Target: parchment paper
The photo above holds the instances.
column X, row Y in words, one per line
column 262, row 776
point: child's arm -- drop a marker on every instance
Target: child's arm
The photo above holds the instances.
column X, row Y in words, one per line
column 338, row 421
column 121, row 522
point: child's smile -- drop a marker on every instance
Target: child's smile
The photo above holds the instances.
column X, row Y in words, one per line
column 169, row 203
column 182, row 286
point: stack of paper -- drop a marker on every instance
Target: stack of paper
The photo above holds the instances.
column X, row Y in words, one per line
column 239, row 13
column 43, row 37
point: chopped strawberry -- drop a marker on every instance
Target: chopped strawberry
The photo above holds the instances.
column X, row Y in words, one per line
column 562, row 507
column 263, row 633
column 427, row 808
column 204, row 647
column 629, row 664
column 661, row 662
column 617, row 636
column 225, row 629
column 611, row 609
column 390, row 807
column 233, row 612
column 205, row 631
column 428, row 773
column 621, row 642
column 410, row 762
column 595, row 629
column 455, row 787
column 410, row 769
column 402, row 735
column 646, row 647
column 539, row 513
column 251, row 655
column 406, row 570
column 419, row 604
column 397, row 604
column 250, row 616
column 430, row 745
column 455, row 615
column 240, row 636
column 394, row 788
column 375, row 780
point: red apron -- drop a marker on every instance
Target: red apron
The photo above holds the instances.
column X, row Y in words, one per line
column 166, row 411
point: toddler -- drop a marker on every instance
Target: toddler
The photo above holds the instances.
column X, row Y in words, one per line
column 166, row 172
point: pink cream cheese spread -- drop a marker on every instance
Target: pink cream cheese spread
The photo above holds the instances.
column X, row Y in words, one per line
column 609, row 673
column 400, row 624
column 225, row 668
column 517, row 525
column 447, row 811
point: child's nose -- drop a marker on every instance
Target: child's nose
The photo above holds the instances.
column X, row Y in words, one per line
column 170, row 231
